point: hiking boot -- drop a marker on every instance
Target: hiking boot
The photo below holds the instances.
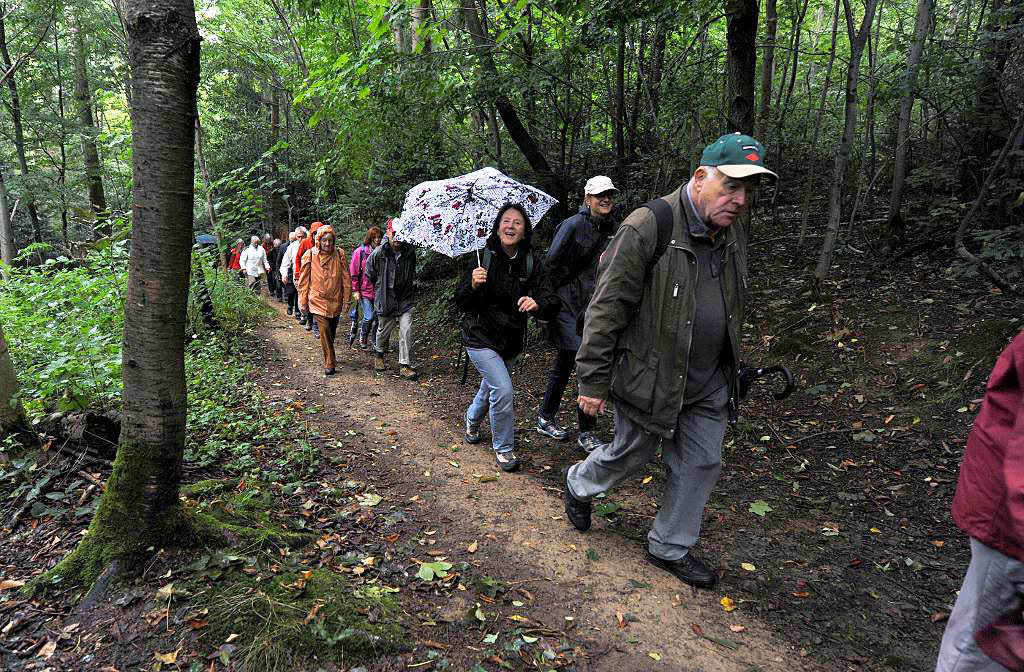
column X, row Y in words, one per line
column 289, row 310
column 688, row 569
column 378, row 362
column 408, row 372
column 330, row 372
column 506, row 459
column 364, row 345
column 588, row 442
column 352, row 334
column 472, row 432
column 577, row 511
column 309, row 325
column 549, row 428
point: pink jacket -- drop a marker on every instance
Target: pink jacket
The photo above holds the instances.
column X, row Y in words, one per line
column 357, row 269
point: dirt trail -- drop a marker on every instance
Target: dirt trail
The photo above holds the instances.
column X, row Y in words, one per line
column 519, row 524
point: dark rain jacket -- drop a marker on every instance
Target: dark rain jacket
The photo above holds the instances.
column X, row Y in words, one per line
column 636, row 336
column 492, row 319
column 393, row 279
column 572, row 264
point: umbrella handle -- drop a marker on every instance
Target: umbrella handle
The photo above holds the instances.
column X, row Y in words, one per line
column 478, row 257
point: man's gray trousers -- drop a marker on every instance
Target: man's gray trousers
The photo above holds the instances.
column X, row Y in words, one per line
column 693, row 460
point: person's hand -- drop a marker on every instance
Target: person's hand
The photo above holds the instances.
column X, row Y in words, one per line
column 527, row 305
column 479, row 276
column 591, row 405
column 284, row 279
column 355, row 296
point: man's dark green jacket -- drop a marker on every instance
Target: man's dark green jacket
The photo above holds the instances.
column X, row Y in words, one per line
column 636, row 336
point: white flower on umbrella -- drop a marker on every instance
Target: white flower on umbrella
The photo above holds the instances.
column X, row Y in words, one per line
column 454, row 216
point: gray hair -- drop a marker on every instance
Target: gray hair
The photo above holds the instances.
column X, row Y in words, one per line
column 239, row 241
column 302, row 231
column 292, row 236
column 254, row 239
column 277, row 241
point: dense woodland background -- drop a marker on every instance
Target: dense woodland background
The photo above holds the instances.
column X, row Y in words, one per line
column 884, row 118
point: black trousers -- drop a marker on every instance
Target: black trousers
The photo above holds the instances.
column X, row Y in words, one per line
column 292, row 295
column 558, row 379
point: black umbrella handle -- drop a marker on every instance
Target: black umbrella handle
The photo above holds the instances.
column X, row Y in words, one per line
column 747, row 375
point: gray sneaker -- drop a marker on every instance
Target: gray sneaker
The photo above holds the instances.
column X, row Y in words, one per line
column 588, row 442
column 472, row 432
column 549, row 428
column 507, row 460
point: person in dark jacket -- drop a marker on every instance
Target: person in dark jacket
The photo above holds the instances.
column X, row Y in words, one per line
column 392, row 270
column 572, row 265
column 985, row 631
column 497, row 300
column 661, row 340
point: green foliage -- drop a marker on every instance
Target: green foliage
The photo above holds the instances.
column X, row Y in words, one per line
column 64, row 322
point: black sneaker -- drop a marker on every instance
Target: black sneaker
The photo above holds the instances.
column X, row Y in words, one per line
column 548, row 428
column 588, row 442
column 472, row 432
column 577, row 511
column 507, row 460
column 688, row 569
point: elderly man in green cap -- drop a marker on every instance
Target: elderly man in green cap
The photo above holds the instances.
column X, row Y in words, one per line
column 661, row 342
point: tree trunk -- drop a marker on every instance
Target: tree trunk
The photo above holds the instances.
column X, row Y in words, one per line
column 771, row 23
column 741, row 37
column 858, row 38
column 823, row 98
column 550, row 182
column 895, row 223
column 7, row 248
column 208, row 188
column 19, row 134
column 90, row 155
column 618, row 123
column 62, row 169
column 420, row 16
column 139, row 508
column 12, row 416
column 657, row 71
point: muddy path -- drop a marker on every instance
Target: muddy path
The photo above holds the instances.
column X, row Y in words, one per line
column 589, row 584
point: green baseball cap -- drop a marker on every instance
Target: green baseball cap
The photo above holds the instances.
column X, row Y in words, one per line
column 736, row 155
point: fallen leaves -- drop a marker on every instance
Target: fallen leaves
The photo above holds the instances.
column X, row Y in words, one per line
column 760, row 507
column 727, row 604
column 7, row 584
column 748, row 567
column 169, row 658
column 433, row 570
column 472, row 547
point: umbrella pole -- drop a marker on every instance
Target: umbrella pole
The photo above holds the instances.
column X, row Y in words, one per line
column 478, row 257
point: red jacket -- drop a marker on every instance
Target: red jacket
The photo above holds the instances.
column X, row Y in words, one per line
column 989, row 500
column 233, row 264
column 306, row 244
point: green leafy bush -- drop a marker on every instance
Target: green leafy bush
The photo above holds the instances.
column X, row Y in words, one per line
column 64, row 323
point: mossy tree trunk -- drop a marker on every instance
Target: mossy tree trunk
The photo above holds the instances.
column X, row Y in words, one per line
column 140, row 508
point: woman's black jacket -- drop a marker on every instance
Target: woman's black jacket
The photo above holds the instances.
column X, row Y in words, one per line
column 492, row 319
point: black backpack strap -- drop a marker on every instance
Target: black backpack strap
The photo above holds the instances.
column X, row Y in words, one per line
column 665, row 221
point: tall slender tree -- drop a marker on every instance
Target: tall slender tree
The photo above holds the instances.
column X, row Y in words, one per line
column 87, row 131
column 741, row 37
column 140, row 507
column 14, row 107
column 858, row 39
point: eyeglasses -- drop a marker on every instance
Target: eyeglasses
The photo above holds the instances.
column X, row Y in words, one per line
column 601, row 198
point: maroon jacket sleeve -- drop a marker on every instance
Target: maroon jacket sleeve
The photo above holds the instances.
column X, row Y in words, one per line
column 1013, row 461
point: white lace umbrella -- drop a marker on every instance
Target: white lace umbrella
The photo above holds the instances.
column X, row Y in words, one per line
column 454, row 216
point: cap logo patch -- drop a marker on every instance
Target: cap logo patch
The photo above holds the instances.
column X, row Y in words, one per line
column 752, row 157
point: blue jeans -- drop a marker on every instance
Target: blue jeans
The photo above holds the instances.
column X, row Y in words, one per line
column 364, row 305
column 494, row 396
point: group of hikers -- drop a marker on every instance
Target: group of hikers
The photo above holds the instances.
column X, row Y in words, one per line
column 648, row 313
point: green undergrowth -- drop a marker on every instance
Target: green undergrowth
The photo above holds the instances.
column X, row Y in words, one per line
column 64, row 323
column 296, row 618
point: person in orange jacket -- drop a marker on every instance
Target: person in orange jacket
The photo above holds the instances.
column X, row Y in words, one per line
column 307, row 244
column 325, row 288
